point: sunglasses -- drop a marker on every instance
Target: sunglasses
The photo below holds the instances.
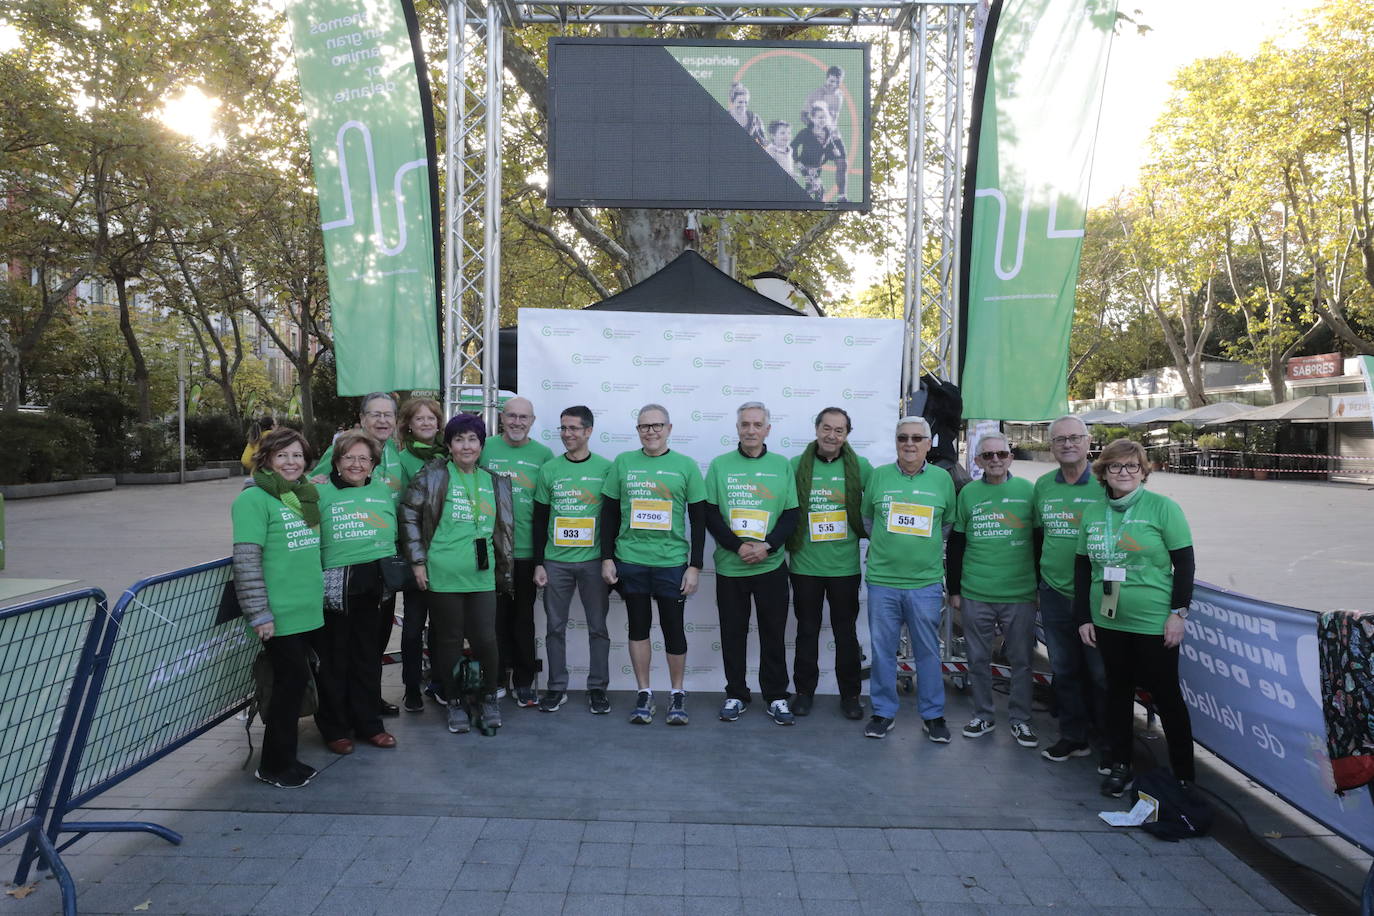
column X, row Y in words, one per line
column 988, row 456
column 904, row 437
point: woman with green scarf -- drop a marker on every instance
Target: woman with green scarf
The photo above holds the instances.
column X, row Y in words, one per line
column 420, row 423
column 1133, row 582
column 280, row 588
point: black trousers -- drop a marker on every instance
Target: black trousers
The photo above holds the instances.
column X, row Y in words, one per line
column 1135, row 660
column 384, row 624
column 454, row 617
column 289, row 656
column 413, row 636
column 769, row 594
column 809, row 594
column 515, row 628
column 350, row 676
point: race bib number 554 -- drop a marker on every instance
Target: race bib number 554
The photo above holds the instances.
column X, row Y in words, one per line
column 910, row 519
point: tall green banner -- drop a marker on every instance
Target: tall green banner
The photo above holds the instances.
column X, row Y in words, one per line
column 1040, row 82
column 371, row 136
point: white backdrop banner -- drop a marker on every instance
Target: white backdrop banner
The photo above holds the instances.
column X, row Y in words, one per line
column 701, row 368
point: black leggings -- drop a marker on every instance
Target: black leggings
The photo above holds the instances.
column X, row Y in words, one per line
column 641, row 617
column 1135, row 660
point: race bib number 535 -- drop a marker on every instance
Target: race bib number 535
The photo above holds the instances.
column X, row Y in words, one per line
column 910, row 519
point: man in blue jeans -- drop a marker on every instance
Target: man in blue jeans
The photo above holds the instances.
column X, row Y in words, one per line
column 1080, row 682
column 906, row 507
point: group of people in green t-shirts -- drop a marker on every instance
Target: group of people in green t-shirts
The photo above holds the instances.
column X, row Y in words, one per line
column 484, row 523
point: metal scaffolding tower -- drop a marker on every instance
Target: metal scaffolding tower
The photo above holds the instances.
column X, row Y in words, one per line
column 939, row 65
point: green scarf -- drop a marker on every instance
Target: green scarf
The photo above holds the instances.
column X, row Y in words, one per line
column 425, row 451
column 853, row 493
column 1122, row 503
column 300, row 497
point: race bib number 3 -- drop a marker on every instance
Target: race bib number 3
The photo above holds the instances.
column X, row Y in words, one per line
column 651, row 514
column 828, row 526
column 749, row 523
column 909, row 518
column 574, row 532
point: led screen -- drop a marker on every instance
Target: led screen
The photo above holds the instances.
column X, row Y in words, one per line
column 697, row 124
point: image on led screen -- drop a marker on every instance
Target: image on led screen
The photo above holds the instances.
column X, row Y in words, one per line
column 747, row 125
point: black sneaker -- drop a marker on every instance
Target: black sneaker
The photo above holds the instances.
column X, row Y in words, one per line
column 551, row 700
column 598, row 702
column 435, row 692
column 1063, row 749
column 852, row 707
column 291, row 778
column 1104, row 765
column 306, row 771
column 878, row 727
column 936, row 730
column 1117, row 782
column 414, row 700
column 526, row 698
column 801, row 704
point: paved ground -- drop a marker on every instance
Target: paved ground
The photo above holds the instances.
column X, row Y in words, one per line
column 574, row 813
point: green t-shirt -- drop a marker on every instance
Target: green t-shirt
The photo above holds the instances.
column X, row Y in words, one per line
column 572, row 491
column 469, row 513
column 999, row 560
column 828, row 547
column 524, row 463
column 1059, row 511
column 654, row 494
column 1143, row 535
column 906, row 547
column 357, row 524
column 290, row 559
column 411, row 464
column 390, row 471
column 751, row 494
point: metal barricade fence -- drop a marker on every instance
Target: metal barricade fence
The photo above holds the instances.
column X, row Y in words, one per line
column 47, row 653
column 166, row 673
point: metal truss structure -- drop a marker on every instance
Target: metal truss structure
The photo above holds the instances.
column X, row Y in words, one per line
column 938, row 84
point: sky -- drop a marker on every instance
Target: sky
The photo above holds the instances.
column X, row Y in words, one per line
column 1141, row 67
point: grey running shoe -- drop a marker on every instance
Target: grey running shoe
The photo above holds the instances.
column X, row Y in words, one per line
column 551, row 700
column 936, row 730
column 677, row 712
column 598, row 702
column 491, row 711
column 644, row 709
column 878, row 727
column 458, row 721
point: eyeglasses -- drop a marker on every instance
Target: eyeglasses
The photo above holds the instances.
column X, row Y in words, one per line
column 380, row 415
column 988, row 456
column 650, row 427
column 571, row 429
column 1067, row 440
column 906, row 437
column 1122, row 467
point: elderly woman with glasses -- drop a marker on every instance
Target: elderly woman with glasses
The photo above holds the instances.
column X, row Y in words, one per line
column 357, row 530
column 1133, row 582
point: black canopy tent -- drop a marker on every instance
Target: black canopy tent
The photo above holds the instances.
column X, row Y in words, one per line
column 688, row 284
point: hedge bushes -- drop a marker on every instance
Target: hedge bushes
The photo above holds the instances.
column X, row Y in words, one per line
column 43, row 447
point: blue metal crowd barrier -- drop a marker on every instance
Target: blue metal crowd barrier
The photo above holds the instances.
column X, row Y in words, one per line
column 47, row 658
column 166, row 673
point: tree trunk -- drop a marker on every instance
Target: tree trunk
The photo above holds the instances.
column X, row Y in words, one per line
column 651, row 238
column 126, row 327
column 305, row 379
column 9, row 373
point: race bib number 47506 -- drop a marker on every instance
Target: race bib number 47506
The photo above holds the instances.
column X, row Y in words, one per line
column 651, row 514
column 909, row 518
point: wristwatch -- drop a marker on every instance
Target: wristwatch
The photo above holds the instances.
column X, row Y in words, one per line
column 1182, row 612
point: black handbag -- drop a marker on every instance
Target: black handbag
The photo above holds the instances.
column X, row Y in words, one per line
column 397, row 575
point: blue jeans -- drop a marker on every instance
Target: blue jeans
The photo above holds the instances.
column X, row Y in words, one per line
column 1080, row 682
column 919, row 609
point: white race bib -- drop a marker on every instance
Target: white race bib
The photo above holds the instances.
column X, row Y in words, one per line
column 574, row 532
column 828, row 526
column 651, row 514
column 909, row 518
column 749, row 523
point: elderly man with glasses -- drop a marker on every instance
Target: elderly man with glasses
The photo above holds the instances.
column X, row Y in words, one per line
column 906, row 507
column 1080, row 682
column 992, row 581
